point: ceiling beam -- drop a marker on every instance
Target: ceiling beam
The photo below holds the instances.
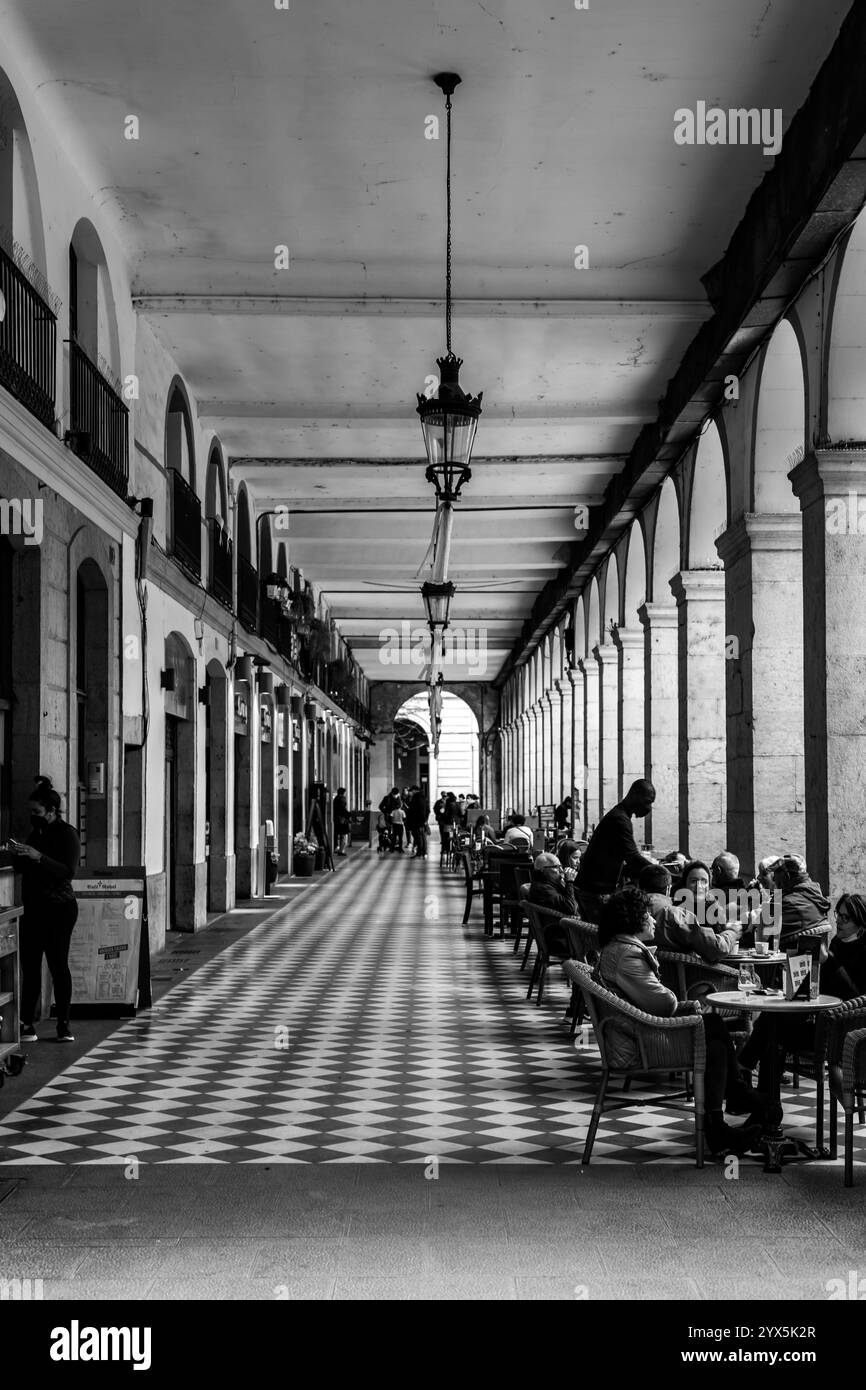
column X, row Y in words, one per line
column 237, row 305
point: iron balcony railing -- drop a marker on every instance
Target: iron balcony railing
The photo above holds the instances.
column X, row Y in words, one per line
column 185, row 524
column 248, row 594
column 99, row 421
column 220, row 568
column 28, row 339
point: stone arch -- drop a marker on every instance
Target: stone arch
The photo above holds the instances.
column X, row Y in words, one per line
column 92, row 310
column 845, row 409
column 635, row 582
column 780, row 422
column 708, row 510
column 667, row 543
column 609, row 595
column 243, row 527
column 21, row 219
column 179, row 435
column 216, row 503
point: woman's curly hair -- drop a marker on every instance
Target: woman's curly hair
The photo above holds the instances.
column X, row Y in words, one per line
column 623, row 914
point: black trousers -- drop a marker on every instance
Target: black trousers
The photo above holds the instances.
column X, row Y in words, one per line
column 46, row 931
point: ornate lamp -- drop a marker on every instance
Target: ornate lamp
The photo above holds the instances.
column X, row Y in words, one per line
column 449, row 417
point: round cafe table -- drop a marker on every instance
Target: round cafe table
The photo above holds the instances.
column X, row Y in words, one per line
column 774, row 1143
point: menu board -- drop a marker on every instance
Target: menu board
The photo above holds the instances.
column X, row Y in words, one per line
column 106, row 960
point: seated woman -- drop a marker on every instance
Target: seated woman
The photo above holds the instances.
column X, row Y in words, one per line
column 569, row 852
column 843, row 973
column 628, row 968
column 678, row 929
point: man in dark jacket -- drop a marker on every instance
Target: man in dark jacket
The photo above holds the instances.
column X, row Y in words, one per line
column 552, row 888
column 613, row 845
column 803, row 902
column 417, row 815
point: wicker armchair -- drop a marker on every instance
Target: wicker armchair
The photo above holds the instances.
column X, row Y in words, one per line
column 664, row 1045
column 847, row 1082
column 832, row 1030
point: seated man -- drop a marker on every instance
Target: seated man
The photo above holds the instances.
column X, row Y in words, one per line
column 552, row 888
column 803, row 902
column 613, row 845
column 677, row 929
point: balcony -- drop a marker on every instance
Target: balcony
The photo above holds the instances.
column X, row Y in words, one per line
column 28, row 337
column 248, row 594
column 220, row 570
column 98, row 430
column 185, row 524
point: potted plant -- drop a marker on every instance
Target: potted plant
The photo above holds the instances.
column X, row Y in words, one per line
column 303, row 857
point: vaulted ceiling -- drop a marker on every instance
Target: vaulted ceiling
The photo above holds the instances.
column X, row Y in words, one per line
column 305, row 127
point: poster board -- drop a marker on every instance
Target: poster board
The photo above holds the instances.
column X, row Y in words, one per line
column 109, row 956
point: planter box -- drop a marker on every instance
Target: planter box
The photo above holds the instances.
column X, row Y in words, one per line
column 302, row 865
column 320, row 857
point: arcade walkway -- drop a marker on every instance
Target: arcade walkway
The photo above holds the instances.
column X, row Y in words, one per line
column 273, row 1123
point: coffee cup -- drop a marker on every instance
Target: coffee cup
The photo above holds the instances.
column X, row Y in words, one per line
column 762, row 948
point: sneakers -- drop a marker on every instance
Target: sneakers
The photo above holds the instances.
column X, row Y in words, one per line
column 28, row 1033
column 63, row 1033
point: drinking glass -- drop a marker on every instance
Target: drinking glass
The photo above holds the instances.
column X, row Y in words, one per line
column 748, row 981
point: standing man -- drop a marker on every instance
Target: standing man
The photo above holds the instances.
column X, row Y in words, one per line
column 417, row 814
column 342, row 824
column 613, row 845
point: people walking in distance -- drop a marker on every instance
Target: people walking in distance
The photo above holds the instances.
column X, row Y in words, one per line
column 417, row 816
column 342, row 824
column 398, row 820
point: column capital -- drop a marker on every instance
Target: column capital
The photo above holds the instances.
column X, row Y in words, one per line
column 760, row 531
column 552, row 696
column 658, row 615
column 605, row 654
column 629, row 639
column 564, row 687
column 698, row 586
column 829, row 473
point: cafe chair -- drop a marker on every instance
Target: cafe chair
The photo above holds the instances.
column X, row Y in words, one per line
column 472, row 879
column 539, row 918
column 511, row 876
column 518, row 916
column 847, row 1082
column 585, row 947
column 832, row 1029
column 665, row 1046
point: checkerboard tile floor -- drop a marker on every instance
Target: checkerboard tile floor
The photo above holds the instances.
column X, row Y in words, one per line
column 362, row 1025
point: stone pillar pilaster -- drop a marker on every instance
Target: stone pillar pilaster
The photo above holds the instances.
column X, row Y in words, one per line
column 577, row 681
column 566, row 716
column 661, row 722
column 700, row 597
column 629, row 643
column 544, row 764
column 608, row 680
column 831, row 487
column 593, row 750
column 763, row 558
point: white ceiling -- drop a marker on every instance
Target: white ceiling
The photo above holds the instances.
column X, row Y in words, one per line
column 306, row 127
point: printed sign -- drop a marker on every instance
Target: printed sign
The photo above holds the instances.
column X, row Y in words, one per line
column 107, row 939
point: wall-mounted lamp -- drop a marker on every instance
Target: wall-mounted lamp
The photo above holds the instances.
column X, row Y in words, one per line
column 243, row 669
column 144, row 507
column 266, row 683
column 283, row 695
column 166, row 679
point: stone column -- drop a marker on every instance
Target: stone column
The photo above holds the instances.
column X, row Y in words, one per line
column 763, row 557
column 661, row 722
column 544, row 766
column 566, row 731
column 831, row 487
column 593, row 751
column 526, row 760
column 608, row 721
column 629, row 643
column 535, row 754
column 577, row 681
column 700, row 596
column 553, row 781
